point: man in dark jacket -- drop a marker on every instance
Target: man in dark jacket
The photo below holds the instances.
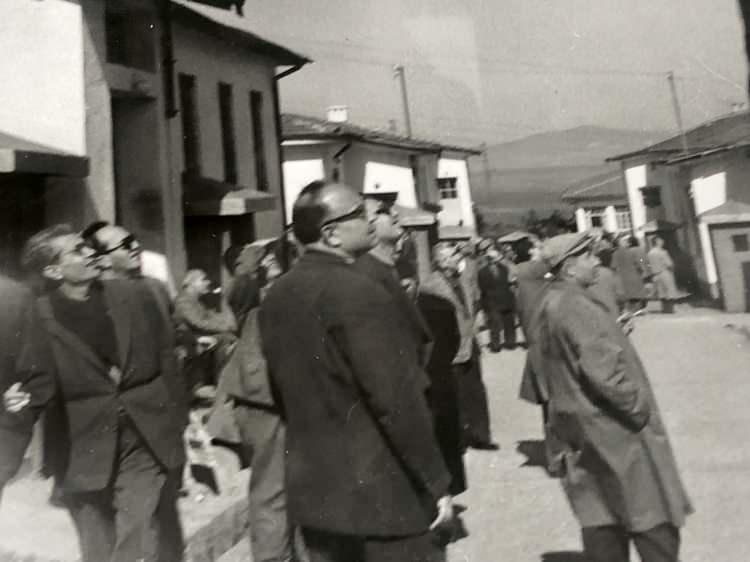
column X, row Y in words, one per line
column 498, row 300
column 366, row 480
column 612, row 449
column 102, row 361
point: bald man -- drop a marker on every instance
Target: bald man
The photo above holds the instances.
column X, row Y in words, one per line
column 365, row 477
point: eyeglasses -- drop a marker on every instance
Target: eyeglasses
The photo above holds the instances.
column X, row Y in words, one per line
column 128, row 243
column 357, row 213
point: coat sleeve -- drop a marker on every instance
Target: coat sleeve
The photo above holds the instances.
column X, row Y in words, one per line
column 199, row 318
column 601, row 361
column 385, row 370
column 33, row 368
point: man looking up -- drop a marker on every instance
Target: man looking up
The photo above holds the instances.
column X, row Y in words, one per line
column 611, row 448
column 102, row 353
column 365, row 476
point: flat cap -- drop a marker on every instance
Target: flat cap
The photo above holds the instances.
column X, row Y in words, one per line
column 556, row 249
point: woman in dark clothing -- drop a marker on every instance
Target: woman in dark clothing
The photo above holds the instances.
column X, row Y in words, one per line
column 442, row 395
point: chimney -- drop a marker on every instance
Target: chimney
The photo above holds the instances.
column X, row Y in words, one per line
column 337, row 114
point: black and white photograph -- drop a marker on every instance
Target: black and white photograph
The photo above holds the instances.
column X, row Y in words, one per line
column 374, row 281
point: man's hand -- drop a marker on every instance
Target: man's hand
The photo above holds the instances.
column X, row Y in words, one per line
column 206, row 343
column 15, row 400
column 445, row 513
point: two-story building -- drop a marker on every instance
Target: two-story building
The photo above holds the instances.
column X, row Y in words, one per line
column 165, row 113
column 694, row 190
column 416, row 173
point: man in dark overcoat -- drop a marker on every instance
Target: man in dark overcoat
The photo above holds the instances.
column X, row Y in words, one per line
column 103, row 365
column 613, row 452
column 497, row 300
column 365, row 477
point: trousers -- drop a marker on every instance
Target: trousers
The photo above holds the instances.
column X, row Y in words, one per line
column 472, row 401
column 323, row 546
column 612, row 544
column 135, row 518
column 504, row 320
column 263, row 435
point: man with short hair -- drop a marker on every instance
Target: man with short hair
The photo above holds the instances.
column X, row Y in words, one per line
column 497, row 300
column 610, row 445
column 365, row 477
column 102, row 356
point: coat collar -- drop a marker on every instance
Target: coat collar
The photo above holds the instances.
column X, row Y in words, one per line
column 119, row 308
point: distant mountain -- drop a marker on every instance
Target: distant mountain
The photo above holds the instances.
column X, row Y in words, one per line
column 532, row 172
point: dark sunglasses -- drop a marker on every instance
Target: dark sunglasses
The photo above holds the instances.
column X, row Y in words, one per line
column 128, row 243
column 357, row 213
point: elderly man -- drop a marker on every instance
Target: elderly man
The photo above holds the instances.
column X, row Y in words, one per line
column 101, row 354
column 365, row 477
column 612, row 450
column 379, row 264
column 447, row 283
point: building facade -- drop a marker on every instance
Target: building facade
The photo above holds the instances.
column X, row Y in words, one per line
column 600, row 202
column 173, row 104
column 675, row 186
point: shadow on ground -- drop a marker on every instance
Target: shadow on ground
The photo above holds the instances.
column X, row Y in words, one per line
column 533, row 450
column 566, row 556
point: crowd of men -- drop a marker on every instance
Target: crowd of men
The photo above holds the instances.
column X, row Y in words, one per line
column 351, row 388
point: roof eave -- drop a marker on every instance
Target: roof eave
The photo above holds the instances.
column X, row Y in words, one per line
column 279, row 54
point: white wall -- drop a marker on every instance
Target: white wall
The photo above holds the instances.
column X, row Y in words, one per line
column 456, row 210
column 708, row 192
column 42, row 95
column 635, row 179
column 388, row 177
column 297, row 174
column 581, row 223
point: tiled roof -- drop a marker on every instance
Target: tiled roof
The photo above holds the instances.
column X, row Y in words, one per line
column 602, row 186
column 228, row 26
column 728, row 208
column 724, row 132
column 303, row 127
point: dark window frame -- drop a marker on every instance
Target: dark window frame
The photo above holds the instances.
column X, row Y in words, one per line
column 191, row 142
column 258, row 138
column 228, row 141
column 740, row 243
column 447, row 187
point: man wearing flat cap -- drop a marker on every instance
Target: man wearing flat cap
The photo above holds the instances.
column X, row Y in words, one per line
column 611, row 449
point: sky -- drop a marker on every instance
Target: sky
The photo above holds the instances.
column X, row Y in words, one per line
column 497, row 70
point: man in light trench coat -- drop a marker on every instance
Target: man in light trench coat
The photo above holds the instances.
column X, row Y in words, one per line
column 611, row 447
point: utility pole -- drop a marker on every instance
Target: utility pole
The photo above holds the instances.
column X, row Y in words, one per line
column 677, row 112
column 486, row 162
column 398, row 72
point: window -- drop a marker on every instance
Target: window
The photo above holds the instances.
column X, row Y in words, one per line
column 191, row 146
column 740, row 243
column 130, row 38
column 447, row 188
column 623, row 220
column 226, row 114
column 651, row 195
column 259, row 152
column 595, row 218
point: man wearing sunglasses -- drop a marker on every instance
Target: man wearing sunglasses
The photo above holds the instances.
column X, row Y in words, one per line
column 366, row 480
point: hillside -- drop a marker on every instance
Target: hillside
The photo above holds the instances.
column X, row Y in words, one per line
column 532, row 172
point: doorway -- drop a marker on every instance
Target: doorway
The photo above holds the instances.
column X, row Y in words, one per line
column 21, row 215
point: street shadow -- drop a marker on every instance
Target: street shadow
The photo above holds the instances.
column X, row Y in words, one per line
column 564, row 556
column 533, row 450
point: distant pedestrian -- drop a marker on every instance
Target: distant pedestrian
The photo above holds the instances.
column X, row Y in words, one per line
column 611, row 448
column 662, row 269
column 365, row 477
column 498, row 300
column 629, row 262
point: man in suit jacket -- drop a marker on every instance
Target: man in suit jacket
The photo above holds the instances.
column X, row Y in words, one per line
column 102, row 363
column 498, row 300
column 366, row 480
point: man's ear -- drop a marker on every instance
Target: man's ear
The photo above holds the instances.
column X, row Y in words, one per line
column 329, row 236
column 52, row 272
